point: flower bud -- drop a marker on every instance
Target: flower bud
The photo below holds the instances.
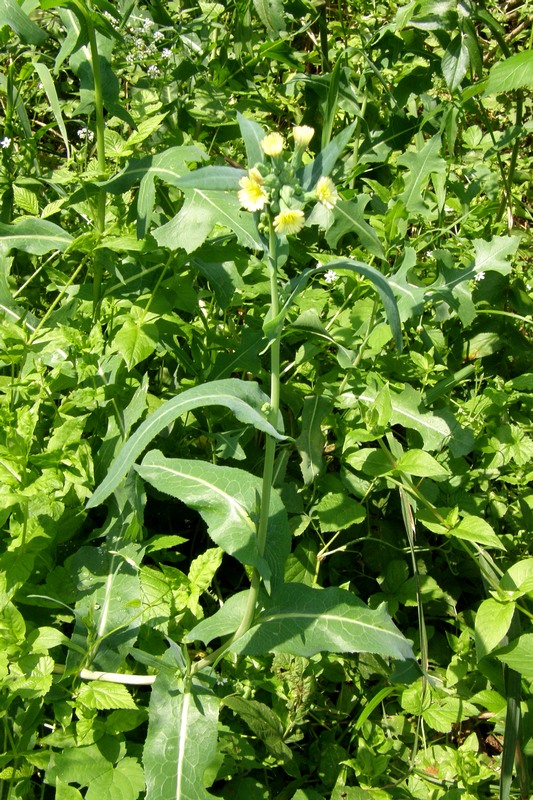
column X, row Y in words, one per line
column 302, row 135
column 272, row 144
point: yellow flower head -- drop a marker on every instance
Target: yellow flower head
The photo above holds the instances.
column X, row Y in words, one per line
column 326, row 192
column 289, row 221
column 302, row 135
column 272, row 144
column 252, row 196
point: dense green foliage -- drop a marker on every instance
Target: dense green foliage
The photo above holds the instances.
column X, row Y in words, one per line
column 266, row 482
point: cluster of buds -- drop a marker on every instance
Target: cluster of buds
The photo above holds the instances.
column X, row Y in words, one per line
column 273, row 188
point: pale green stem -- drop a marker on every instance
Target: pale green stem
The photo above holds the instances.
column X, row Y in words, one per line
column 98, row 266
column 268, row 466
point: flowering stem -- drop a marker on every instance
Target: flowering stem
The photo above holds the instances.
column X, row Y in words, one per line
column 268, row 467
column 99, row 258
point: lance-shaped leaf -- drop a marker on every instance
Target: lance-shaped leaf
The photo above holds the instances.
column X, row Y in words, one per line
column 12, row 14
column 303, row 621
column 227, row 499
column 271, row 14
column 35, row 236
column 310, row 442
column 244, row 398
column 349, row 219
column 379, row 282
column 326, row 159
column 51, row 92
column 252, row 134
column 182, row 738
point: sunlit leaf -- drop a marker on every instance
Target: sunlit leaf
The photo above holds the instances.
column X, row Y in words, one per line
column 244, row 398
column 181, row 740
column 304, row 621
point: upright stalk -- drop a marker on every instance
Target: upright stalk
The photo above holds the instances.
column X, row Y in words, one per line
column 98, row 264
column 268, row 466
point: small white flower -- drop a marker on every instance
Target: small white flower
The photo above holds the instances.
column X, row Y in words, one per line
column 6, row 141
column 166, row 53
column 479, row 276
column 330, row 276
column 158, row 35
column 139, row 43
column 153, row 71
column 85, row 133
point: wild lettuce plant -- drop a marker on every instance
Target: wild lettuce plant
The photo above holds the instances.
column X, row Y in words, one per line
column 244, row 514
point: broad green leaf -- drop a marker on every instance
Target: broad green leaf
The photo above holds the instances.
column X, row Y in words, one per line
column 494, row 254
column 303, row 621
column 223, row 622
column 518, row 655
column 200, row 213
column 518, row 580
column 135, row 341
column 101, row 767
column 169, row 166
column 455, row 61
column 271, row 15
column 349, row 219
column 476, row 529
column 66, row 792
column 310, row 443
column 8, row 306
column 221, row 179
column 453, row 284
column 420, row 165
column 223, row 276
column 47, row 81
column 434, row 15
column 336, row 512
column 104, row 695
column 244, row 398
column 492, row 623
column 325, row 161
column 181, row 742
column 35, row 236
column 252, row 134
column 422, row 465
column 370, row 461
column 227, row 500
column 107, row 613
column 515, row 72
column 12, row 14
